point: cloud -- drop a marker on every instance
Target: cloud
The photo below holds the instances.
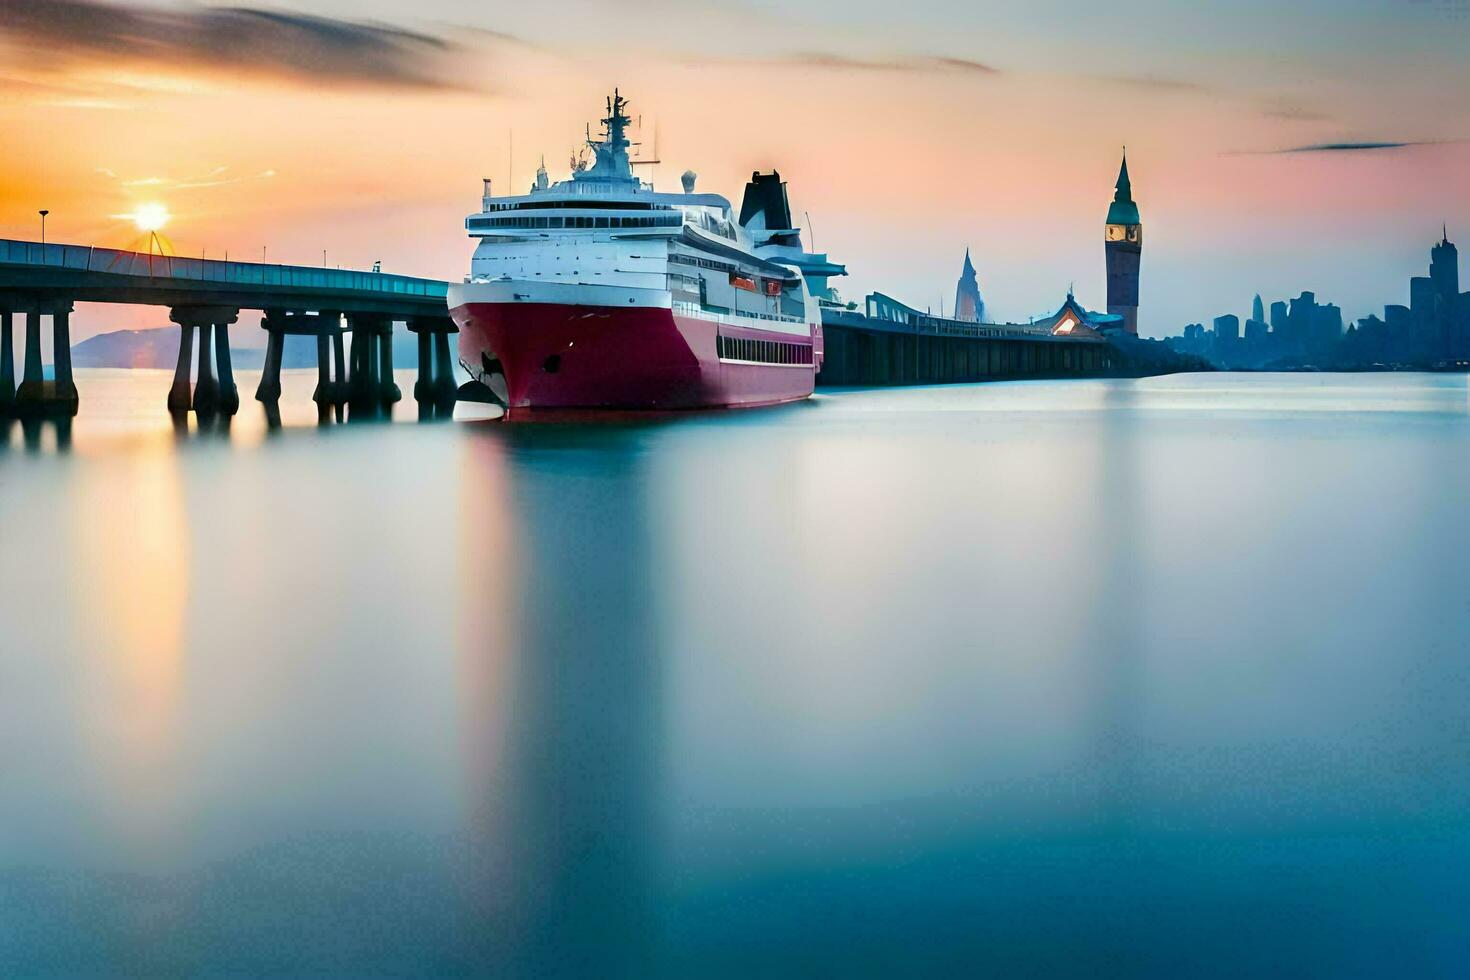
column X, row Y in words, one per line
column 218, row 177
column 56, row 33
column 834, row 61
column 1158, row 83
column 1356, row 147
column 825, row 59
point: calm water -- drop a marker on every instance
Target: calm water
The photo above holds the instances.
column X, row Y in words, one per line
column 1161, row 678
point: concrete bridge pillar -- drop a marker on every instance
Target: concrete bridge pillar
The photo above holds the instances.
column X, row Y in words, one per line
column 206, row 388
column 7, row 363
column 372, row 389
column 37, row 396
column 329, row 391
column 30, row 382
column 324, row 395
column 361, row 400
column 65, row 391
column 434, row 389
column 269, row 389
column 444, row 387
column 180, row 394
column 388, row 390
column 209, row 395
column 229, row 392
column 423, row 388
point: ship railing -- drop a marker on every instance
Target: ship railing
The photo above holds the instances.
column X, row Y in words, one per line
column 730, row 319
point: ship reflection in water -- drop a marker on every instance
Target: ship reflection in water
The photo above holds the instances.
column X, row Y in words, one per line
column 1153, row 678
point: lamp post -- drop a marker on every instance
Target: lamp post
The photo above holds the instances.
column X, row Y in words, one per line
column 43, row 212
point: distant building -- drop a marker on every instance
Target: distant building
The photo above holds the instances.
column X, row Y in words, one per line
column 1123, row 247
column 967, row 302
column 1444, row 269
column 1278, row 317
column 1398, row 321
column 1227, row 327
column 1448, row 332
column 1258, row 310
column 1075, row 320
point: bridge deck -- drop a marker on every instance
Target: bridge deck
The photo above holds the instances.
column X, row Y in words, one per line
column 106, row 275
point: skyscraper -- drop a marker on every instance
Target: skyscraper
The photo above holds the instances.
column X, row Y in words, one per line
column 1123, row 248
column 1444, row 276
column 967, row 302
column 1258, row 310
column 1444, row 269
column 1279, row 317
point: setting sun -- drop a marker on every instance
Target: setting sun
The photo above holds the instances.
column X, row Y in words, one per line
column 150, row 217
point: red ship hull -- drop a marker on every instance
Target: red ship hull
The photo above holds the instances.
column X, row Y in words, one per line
column 564, row 356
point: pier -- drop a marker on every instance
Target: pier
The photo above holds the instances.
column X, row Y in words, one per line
column 205, row 297
column 888, row 343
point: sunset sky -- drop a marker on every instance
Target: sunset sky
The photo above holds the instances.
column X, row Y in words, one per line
column 908, row 132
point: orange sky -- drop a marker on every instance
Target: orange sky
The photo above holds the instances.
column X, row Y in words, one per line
column 902, row 159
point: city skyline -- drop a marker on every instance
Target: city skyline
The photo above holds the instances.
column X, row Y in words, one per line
column 1431, row 328
column 1295, row 149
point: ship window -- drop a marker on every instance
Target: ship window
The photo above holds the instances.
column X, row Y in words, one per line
column 601, row 223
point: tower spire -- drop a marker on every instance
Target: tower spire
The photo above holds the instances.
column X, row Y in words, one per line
column 1123, row 247
column 1124, row 188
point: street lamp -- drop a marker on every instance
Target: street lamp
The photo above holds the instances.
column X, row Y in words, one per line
column 43, row 212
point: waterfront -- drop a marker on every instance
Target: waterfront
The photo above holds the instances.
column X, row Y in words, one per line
column 1156, row 677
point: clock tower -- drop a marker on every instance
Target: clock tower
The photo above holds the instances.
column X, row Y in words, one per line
column 1123, row 246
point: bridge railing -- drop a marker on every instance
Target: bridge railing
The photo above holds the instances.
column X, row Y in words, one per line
column 85, row 258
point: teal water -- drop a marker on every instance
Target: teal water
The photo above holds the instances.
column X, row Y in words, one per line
column 1156, row 678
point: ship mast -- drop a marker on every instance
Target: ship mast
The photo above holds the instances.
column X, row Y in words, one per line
column 610, row 161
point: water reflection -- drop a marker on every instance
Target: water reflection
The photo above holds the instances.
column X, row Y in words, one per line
column 565, row 812
column 1114, row 655
column 129, row 555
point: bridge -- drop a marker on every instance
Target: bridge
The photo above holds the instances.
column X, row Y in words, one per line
column 206, row 296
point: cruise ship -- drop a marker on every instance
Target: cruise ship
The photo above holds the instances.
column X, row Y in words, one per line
column 599, row 292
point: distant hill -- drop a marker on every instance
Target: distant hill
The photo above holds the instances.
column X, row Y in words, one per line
column 159, row 348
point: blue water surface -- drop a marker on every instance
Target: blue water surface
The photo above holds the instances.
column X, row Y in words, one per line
column 1119, row 678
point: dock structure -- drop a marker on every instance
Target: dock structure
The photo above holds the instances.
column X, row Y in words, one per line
column 204, row 298
column 888, row 343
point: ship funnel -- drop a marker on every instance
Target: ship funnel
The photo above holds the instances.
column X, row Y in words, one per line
column 688, row 181
column 485, row 195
